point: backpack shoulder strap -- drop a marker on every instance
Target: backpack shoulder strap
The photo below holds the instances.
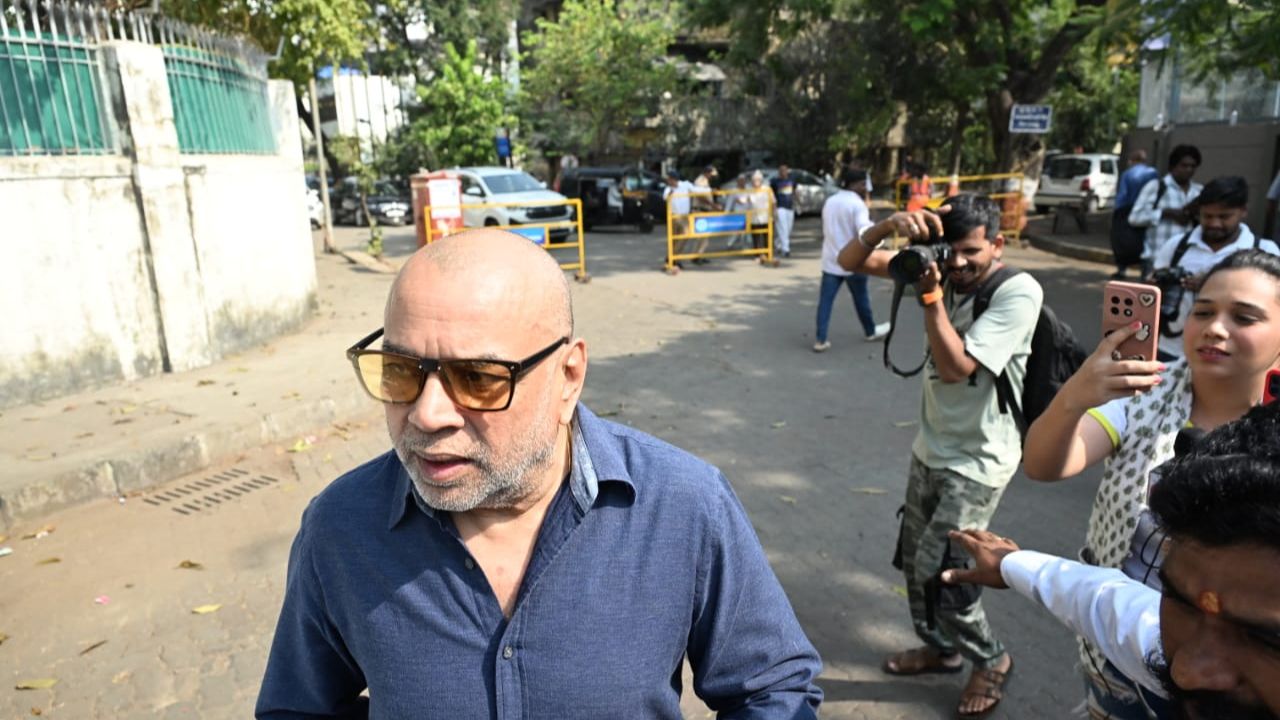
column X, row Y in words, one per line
column 1181, row 250
column 984, row 293
column 1257, row 241
column 1161, row 187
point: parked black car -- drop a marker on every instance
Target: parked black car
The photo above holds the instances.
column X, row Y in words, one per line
column 388, row 204
column 618, row 195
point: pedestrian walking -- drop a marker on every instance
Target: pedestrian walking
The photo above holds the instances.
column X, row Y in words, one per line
column 1127, row 241
column 516, row 555
column 844, row 218
column 784, row 193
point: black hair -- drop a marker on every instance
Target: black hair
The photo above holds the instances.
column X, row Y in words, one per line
column 1181, row 151
column 969, row 211
column 1248, row 259
column 1226, row 489
column 851, row 176
column 1231, row 191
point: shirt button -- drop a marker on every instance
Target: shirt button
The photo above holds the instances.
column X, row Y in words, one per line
column 471, row 564
column 507, row 652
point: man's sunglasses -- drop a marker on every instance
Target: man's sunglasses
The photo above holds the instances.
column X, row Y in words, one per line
column 483, row 385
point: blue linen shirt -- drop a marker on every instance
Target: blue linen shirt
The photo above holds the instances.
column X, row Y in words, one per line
column 645, row 555
column 1131, row 183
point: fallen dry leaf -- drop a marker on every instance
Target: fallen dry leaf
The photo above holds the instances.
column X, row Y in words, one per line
column 900, row 590
column 3, row 637
column 3, row 538
column 869, row 491
column 93, row 647
column 36, row 684
column 291, row 396
column 301, row 446
column 779, row 425
column 122, row 421
column 787, row 499
column 120, row 677
column 50, row 561
column 84, row 435
column 205, row 383
column 37, row 711
column 42, row 532
column 206, row 609
column 189, row 565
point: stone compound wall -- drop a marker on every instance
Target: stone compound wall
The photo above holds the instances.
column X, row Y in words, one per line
column 119, row 267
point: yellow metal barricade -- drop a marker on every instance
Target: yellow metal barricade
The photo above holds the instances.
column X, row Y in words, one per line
column 538, row 232
column 699, row 226
column 1007, row 189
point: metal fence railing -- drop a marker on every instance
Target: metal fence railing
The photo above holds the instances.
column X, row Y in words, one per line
column 52, row 99
column 51, row 95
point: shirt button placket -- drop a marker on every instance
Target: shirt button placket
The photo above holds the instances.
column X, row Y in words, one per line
column 508, row 652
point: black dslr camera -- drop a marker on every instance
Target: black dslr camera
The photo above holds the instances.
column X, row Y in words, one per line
column 910, row 264
column 1169, row 278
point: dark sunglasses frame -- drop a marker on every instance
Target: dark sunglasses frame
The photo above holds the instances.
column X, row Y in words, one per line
column 426, row 366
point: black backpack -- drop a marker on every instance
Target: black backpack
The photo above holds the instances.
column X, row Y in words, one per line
column 1055, row 356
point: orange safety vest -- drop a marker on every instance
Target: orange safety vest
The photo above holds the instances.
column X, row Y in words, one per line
column 920, row 190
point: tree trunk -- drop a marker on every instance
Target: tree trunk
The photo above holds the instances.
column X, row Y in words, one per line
column 957, row 137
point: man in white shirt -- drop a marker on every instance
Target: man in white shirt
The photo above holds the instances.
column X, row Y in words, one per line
column 1208, row 643
column 1162, row 205
column 1223, row 205
column 679, row 196
column 844, row 217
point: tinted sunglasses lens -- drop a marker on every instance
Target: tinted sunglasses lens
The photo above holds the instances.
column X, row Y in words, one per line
column 476, row 384
column 389, row 378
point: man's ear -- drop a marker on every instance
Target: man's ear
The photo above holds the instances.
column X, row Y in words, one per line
column 997, row 245
column 574, row 375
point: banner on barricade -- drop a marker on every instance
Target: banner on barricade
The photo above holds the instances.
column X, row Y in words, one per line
column 727, row 223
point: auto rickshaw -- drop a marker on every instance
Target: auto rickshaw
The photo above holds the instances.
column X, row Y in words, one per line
column 617, row 195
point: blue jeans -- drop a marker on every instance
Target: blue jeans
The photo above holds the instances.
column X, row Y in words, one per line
column 861, row 302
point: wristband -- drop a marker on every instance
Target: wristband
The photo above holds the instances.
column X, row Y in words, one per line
column 867, row 245
column 930, row 297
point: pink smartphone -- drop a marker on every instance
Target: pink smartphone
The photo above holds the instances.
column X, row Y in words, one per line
column 1122, row 304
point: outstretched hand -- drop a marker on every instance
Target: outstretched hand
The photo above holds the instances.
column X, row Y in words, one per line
column 916, row 224
column 987, row 550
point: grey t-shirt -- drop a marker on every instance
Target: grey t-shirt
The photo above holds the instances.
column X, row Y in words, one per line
column 962, row 428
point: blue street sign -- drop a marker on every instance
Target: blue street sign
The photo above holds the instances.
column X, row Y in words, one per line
column 720, row 224
column 1030, row 119
column 537, row 234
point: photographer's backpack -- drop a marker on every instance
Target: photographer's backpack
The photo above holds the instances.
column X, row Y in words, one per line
column 1055, row 356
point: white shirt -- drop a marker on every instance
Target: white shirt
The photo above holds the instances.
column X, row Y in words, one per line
column 1146, row 213
column 844, row 217
column 1197, row 259
column 682, row 202
column 1119, row 615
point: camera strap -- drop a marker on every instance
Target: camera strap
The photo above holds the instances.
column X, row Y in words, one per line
column 898, row 289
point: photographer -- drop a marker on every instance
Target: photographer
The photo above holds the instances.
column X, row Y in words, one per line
column 1164, row 205
column 1181, row 262
column 966, row 450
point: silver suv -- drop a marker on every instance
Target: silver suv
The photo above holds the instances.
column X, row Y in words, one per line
column 498, row 186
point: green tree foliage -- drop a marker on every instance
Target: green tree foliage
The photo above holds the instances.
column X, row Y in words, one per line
column 349, row 157
column 313, row 32
column 1095, row 101
column 1213, row 37
column 461, row 110
column 599, row 70
column 448, row 22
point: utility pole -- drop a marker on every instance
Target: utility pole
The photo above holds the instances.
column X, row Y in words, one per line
column 327, row 223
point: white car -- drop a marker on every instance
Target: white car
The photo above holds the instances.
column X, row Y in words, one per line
column 497, row 186
column 1086, row 181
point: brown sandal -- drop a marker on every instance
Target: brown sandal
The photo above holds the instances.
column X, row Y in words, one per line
column 924, row 661
column 994, row 690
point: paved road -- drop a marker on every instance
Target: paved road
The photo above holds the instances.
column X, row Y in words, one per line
column 716, row 360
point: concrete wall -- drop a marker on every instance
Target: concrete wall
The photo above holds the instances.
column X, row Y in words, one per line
column 1249, row 150
column 125, row 266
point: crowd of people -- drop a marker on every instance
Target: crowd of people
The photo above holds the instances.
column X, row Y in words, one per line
column 516, row 555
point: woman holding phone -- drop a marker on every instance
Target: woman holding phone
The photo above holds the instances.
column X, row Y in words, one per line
column 1128, row 413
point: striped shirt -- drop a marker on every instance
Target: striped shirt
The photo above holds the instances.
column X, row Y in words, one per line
column 1146, row 213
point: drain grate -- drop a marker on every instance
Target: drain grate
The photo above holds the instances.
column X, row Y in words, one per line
column 209, row 492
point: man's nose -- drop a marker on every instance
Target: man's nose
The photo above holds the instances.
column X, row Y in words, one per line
column 1204, row 662
column 434, row 410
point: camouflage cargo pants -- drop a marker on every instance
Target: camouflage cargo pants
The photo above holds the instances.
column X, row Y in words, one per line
column 939, row 501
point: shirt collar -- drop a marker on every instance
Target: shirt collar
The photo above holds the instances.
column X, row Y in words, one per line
column 1243, row 241
column 594, row 460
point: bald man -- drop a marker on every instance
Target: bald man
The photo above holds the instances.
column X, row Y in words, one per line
column 516, row 556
